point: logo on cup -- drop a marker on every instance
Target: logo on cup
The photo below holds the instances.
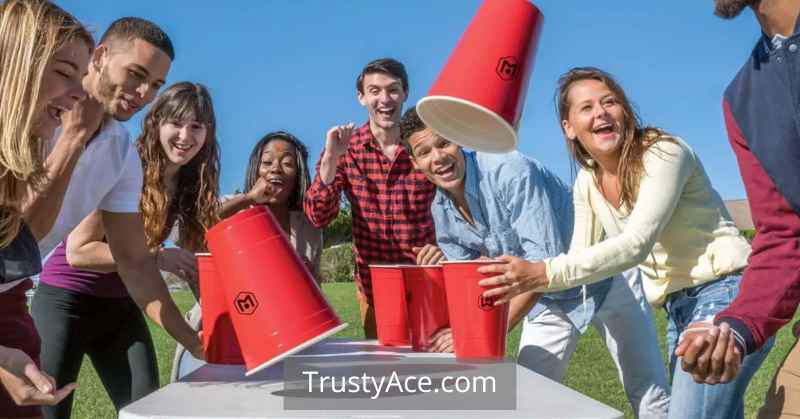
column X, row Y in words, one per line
column 246, row 303
column 486, row 303
column 508, row 68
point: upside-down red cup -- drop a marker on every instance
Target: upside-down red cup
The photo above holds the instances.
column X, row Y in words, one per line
column 479, row 327
column 391, row 310
column 478, row 99
column 427, row 303
column 220, row 344
column 276, row 307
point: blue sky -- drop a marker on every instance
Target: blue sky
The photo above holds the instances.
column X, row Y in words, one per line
column 292, row 64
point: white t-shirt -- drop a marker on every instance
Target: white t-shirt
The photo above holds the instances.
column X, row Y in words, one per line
column 108, row 176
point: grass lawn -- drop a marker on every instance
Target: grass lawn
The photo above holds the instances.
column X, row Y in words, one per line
column 591, row 371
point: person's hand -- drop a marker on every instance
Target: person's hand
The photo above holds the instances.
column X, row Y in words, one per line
column 260, row 193
column 83, row 120
column 337, row 140
column 709, row 353
column 26, row 383
column 442, row 341
column 516, row 275
column 180, row 262
column 428, row 254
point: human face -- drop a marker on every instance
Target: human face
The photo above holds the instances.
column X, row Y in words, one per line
column 131, row 73
column 440, row 160
column 383, row 97
column 61, row 87
column 182, row 140
column 729, row 9
column 279, row 168
column 596, row 119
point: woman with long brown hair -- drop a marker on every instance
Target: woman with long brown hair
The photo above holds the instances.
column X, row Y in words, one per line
column 180, row 161
column 44, row 53
column 648, row 193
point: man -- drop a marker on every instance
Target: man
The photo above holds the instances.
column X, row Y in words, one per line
column 488, row 205
column 389, row 199
column 760, row 108
column 94, row 169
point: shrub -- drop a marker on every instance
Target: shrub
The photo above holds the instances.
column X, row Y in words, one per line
column 339, row 230
column 337, row 263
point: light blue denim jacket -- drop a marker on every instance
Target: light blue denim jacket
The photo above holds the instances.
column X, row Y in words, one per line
column 520, row 209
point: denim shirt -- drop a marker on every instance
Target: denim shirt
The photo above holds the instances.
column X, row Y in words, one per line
column 520, row 209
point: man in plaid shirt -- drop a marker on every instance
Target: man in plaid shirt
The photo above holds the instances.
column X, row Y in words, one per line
column 390, row 200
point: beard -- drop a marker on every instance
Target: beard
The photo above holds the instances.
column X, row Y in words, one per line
column 729, row 9
column 106, row 90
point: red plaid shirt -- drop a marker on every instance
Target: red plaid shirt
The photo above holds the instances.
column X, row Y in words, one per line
column 390, row 200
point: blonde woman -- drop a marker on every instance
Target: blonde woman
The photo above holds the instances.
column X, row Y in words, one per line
column 44, row 53
column 650, row 195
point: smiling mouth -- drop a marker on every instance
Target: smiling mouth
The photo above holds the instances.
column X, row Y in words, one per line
column 604, row 129
column 386, row 112
column 276, row 182
column 182, row 147
column 55, row 112
column 129, row 105
column 444, row 171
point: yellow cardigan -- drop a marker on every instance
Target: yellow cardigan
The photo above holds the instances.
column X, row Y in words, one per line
column 679, row 232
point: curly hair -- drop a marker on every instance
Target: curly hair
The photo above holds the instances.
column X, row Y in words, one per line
column 303, row 180
column 31, row 32
column 195, row 207
column 636, row 138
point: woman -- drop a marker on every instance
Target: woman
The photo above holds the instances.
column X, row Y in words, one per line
column 278, row 177
column 180, row 162
column 44, row 53
column 649, row 193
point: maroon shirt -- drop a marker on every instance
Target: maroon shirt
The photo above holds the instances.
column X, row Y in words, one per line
column 390, row 200
column 769, row 293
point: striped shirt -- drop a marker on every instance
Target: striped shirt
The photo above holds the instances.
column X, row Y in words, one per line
column 390, row 201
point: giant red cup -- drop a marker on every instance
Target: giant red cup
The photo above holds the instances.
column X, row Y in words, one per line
column 391, row 311
column 253, row 225
column 478, row 99
column 220, row 344
column 276, row 307
column 479, row 327
column 427, row 303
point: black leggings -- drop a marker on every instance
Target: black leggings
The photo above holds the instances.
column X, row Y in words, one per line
column 112, row 331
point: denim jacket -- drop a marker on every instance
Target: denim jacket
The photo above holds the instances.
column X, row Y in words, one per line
column 520, row 209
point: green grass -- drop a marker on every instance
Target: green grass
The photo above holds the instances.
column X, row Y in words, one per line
column 591, row 371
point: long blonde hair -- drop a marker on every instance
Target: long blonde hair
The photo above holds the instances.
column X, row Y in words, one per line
column 195, row 206
column 636, row 139
column 31, row 31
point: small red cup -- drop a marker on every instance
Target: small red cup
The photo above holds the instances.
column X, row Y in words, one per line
column 427, row 303
column 391, row 310
column 479, row 327
column 220, row 344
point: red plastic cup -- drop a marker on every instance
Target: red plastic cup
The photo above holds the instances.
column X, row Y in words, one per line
column 479, row 327
column 391, row 311
column 220, row 344
column 478, row 99
column 276, row 307
column 427, row 303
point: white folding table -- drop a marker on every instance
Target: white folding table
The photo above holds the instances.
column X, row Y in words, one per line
column 223, row 391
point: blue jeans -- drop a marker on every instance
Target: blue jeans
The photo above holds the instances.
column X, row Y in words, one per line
column 692, row 400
